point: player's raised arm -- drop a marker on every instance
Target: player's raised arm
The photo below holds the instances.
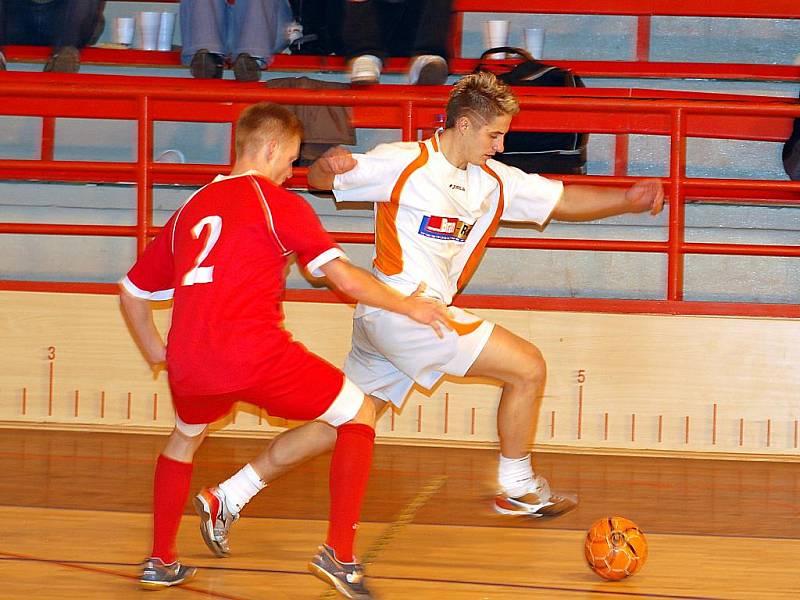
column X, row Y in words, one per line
column 591, row 202
column 334, row 161
column 361, row 285
column 139, row 315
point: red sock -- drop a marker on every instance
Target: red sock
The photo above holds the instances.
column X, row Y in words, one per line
column 170, row 490
column 350, row 465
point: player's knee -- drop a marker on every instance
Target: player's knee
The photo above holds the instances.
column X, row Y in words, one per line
column 531, row 369
column 366, row 413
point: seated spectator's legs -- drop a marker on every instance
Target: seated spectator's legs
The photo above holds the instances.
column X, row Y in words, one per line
column 28, row 23
column 77, row 20
column 257, row 31
column 432, row 25
column 202, row 27
column 364, row 40
column 258, row 27
column 203, row 34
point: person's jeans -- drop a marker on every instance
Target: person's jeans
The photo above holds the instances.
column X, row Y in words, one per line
column 257, row 27
column 58, row 23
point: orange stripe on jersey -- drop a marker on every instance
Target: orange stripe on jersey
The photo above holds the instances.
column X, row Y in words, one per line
column 475, row 257
column 388, row 253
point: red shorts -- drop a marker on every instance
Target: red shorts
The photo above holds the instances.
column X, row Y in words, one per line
column 301, row 387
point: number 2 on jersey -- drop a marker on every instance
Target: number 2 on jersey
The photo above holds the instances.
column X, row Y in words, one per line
column 198, row 274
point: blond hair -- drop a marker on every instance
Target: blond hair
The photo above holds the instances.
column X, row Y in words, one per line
column 262, row 122
column 480, row 93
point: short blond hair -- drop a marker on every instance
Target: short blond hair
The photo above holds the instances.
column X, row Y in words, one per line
column 262, row 122
column 480, row 93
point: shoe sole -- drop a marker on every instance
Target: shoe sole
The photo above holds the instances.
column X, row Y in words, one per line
column 550, row 509
column 203, row 511
column 322, row 574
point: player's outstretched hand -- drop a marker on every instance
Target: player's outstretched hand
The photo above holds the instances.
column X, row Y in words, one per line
column 647, row 194
column 428, row 311
column 337, row 160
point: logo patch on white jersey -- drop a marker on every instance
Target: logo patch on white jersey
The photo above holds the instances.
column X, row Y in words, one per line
column 445, row 228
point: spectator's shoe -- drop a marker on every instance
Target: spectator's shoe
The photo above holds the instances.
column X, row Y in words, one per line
column 64, row 60
column 539, row 501
column 427, row 69
column 216, row 519
column 347, row 578
column 157, row 576
column 246, row 68
column 365, row 69
column 206, row 65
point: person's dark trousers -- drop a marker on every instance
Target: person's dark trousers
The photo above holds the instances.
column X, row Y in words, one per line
column 406, row 28
column 57, row 23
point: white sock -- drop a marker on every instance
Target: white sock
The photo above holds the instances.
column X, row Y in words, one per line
column 515, row 475
column 240, row 488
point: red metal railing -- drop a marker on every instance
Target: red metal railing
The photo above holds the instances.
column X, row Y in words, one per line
column 675, row 114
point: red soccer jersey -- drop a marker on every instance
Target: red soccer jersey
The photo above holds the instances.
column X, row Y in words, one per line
column 222, row 257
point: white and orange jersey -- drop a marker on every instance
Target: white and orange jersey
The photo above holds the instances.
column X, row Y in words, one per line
column 433, row 220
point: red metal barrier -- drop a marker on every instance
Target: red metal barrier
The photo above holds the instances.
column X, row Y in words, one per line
column 412, row 110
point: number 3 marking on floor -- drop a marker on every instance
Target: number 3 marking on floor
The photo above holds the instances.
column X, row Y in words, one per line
column 198, row 274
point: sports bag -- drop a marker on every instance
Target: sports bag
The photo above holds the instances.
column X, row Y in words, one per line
column 537, row 151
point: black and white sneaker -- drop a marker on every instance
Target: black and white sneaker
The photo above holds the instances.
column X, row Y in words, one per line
column 347, row 578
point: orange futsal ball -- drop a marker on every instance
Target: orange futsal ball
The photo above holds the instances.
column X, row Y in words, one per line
column 615, row 548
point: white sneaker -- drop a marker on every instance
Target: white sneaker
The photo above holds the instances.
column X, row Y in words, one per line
column 365, row 69
column 427, row 69
column 538, row 501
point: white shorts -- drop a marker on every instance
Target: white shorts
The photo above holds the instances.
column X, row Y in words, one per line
column 391, row 352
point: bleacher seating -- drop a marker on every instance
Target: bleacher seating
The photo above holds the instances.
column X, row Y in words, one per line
column 643, row 65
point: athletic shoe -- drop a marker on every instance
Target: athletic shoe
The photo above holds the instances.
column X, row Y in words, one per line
column 427, row 69
column 538, row 501
column 246, row 68
column 347, row 578
column 216, row 519
column 365, row 69
column 206, row 65
column 156, row 575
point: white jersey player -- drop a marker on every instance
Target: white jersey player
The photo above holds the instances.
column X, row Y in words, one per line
column 437, row 203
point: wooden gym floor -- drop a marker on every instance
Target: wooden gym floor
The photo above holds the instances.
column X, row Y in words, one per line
column 75, row 509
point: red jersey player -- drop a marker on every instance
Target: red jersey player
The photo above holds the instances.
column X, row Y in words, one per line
column 222, row 259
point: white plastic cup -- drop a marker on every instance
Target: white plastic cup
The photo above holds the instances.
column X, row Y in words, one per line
column 123, row 31
column 496, row 34
column 534, row 42
column 147, row 25
column 166, row 28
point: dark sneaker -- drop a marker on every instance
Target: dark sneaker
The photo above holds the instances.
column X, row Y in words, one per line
column 156, row 575
column 539, row 501
column 216, row 519
column 64, row 60
column 206, row 65
column 347, row 578
column 246, row 68
column 428, row 69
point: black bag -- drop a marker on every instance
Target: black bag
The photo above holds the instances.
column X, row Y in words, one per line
column 791, row 153
column 538, row 151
